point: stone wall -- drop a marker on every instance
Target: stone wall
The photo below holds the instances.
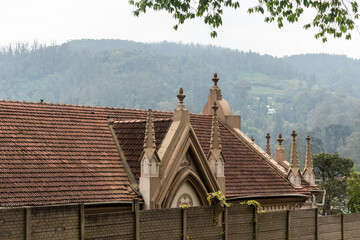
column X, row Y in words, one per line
column 198, row 223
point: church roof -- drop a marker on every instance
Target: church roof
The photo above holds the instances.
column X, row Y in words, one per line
column 57, row 153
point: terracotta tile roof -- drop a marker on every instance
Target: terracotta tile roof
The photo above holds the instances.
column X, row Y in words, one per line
column 53, row 154
column 246, row 173
column 56, row 153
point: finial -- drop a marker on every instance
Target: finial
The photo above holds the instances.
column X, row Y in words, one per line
column 308, row 172
column 268, row 138
column 294, row 134
column 181, row 95
column 215, row 140
column 268, row 151
column 252, row 138
column 215, row 79
column 280, row 139
column 215, row 107
column 41, row 100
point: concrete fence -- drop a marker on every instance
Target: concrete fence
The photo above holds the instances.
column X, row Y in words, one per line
column 198, row 223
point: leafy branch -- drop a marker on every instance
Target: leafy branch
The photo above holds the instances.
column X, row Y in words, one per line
column 333, row 17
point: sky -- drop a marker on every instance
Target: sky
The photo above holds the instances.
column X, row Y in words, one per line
column 62, row 20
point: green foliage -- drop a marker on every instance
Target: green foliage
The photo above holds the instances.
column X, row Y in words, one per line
column 255, row 204
column 332, row 170
column 215, row 197
column 334, row 18
column 353, row 191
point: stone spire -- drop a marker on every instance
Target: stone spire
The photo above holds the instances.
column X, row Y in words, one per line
column 308, row 172
column 181, row 113
column 215, row 156
column 268, row 151
column 294, row 174
column 224, row 112
column 279, row 154
column 149, row 139
column 294, row 158
column 149, row 163
column 215, row 141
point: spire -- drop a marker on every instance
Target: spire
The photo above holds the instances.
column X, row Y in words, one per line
column 294, row 159
column 294, row 174
column 279, row 154
column 268, row 151
column 149, row 139
column 308, row 158
column 215, row 141
column 308, row 172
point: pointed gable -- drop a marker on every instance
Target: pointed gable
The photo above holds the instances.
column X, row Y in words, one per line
column 131, row 135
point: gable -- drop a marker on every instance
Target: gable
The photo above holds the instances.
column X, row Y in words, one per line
column 130, row 135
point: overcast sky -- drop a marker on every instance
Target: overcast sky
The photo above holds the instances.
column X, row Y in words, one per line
column 63, row 20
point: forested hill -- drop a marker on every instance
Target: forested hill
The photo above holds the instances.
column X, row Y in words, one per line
column 314, row 94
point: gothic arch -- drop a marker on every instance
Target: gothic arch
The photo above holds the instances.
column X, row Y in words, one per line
column 186, row 175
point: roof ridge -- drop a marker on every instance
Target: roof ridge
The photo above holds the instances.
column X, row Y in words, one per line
column 89, row 106
column 143, row 120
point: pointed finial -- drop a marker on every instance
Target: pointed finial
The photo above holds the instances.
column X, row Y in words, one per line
column 149, row 139
column 181, row 95
column 280, row 139
column 215, row 141
column 294, row 159
column 308, row 157
column 268, row 151
column 215, row 79
column 215, row 107
column 308, row 172
column 252, row 138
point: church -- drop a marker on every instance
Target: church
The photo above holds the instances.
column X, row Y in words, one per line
column 106, row 158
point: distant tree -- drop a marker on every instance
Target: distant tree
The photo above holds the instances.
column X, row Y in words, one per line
column 334, row 17
column 352, row 147
column 332, row 170
column 336, row 134
column 353, row 191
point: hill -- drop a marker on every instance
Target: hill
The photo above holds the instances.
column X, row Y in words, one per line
column 314, row 94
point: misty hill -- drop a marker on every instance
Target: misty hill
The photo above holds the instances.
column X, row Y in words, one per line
column 315, row 94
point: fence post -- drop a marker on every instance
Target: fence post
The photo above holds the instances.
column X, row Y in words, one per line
column 288, row 224
column 342, row 227
column 28, row 223
column 316, row 224
column 226, row 220
column 82, row 221
column 136, row 209
column 255, row 220
column 184, row 223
